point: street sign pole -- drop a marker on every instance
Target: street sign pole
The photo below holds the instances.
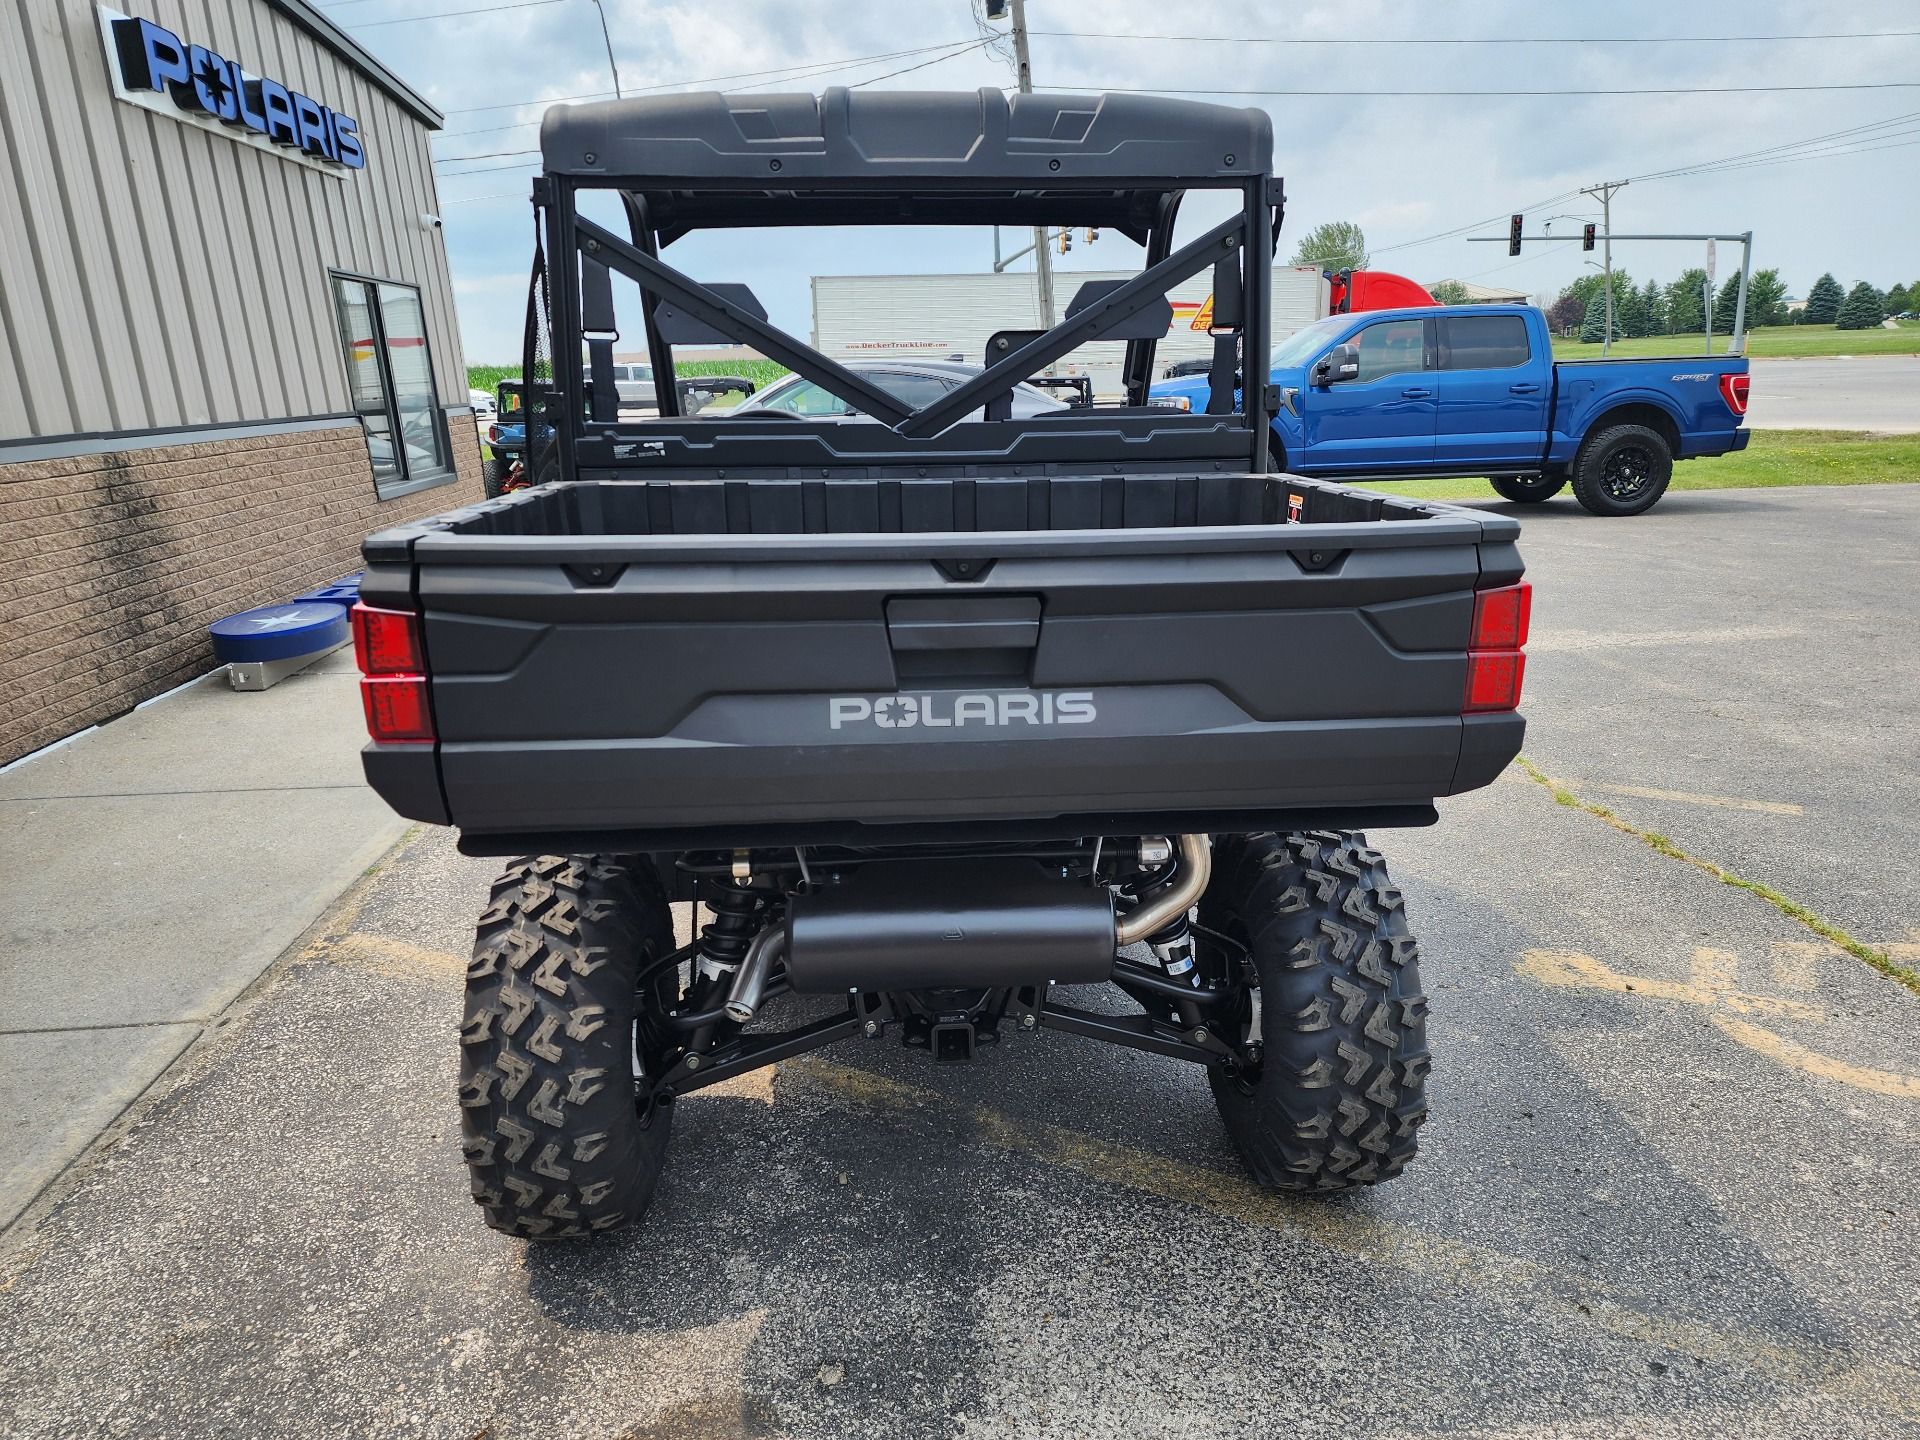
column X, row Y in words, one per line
column 1042, row 261
column 1605, row 191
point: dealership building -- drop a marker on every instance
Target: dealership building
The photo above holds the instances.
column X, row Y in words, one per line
column 227, row 336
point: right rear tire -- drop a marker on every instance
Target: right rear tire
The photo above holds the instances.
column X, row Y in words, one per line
column 1337, row 1094
column 554, row 1141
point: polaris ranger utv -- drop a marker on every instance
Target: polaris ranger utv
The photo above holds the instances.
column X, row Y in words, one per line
column 936, row 717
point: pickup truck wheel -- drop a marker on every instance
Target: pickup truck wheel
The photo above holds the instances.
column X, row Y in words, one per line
column 1334, row 1026
column 1527, row 490
column 1622, row 470
column 555, row 1143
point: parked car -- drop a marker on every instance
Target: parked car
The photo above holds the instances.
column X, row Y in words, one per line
column 917, row 382
column 1474, row 390
column 939, row 713
column 482, row 403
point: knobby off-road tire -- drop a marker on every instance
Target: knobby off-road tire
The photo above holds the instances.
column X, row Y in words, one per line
column 1527, row 490
column 1623, row 470
column 1339, row 1095
column 553, row 1139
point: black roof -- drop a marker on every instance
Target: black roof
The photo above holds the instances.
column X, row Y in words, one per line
column 869, row 136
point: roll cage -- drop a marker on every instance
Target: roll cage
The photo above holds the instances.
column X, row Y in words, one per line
column 690, row 162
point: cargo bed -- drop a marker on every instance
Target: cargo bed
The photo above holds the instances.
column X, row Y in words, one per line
column 673, row 663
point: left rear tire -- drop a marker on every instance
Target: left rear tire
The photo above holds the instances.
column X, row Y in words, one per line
column 1529, row 489
column 555, row 1142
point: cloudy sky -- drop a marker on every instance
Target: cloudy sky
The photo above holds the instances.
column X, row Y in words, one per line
column 1406, row 167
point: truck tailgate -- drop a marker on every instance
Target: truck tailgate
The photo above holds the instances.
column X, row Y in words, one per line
column 612, row 663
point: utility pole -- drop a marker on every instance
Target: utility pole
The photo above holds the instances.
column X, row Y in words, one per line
column 1605, row 191
column 612, row 64
column 1042, row 261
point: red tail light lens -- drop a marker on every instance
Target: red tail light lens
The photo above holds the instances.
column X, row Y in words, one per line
column 1496, row 664
column 1500, row 617
column 397, row 708
column 1493, row 679
column 1734, row 390
column 386, row 642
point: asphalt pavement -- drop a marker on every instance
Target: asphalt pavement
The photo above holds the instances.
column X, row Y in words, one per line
column 1666, row 1190
column 1848, row 392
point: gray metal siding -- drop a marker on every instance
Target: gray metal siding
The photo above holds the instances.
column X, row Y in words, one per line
column 153, row 274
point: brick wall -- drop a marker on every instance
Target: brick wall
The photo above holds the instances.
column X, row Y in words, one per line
column 112, row 566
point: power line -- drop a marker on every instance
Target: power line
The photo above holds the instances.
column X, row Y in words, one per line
column 1371, row 92
column 1488, row 40
column 448, row 14
column 964, row 47
column 846, row 62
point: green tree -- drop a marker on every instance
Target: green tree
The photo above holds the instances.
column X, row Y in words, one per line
column 1449, row 292
column 1335, row 245
column 1653, row 304
column 1899, row 299
column 1766, row 301
column 1823, row 301
column 1593, row 329
column 1686, row 307
column 1630, row 312
column 1724, row 301
column 1862, row 309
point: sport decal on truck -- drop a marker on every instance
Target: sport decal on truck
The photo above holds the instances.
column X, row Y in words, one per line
column 999, row 707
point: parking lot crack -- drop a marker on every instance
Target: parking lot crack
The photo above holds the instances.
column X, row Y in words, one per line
column 1879, row 959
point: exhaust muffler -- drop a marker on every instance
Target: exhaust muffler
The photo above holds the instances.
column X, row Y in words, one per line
column 975, row 923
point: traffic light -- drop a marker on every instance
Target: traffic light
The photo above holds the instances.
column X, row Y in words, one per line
column 1513, row 235
column 1586, row 236
column 1066, row 241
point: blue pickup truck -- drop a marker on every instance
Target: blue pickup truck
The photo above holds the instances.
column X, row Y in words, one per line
column 1474, row 390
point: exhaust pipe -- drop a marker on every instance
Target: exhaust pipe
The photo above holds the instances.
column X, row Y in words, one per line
column 1196, row 865
column 750, row 980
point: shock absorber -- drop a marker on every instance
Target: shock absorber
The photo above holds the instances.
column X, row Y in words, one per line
column 736, row 905
column 1172, row 945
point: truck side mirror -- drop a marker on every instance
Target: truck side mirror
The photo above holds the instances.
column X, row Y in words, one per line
column 1340, row 363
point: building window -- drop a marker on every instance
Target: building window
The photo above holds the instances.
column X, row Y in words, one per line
column 383, row 334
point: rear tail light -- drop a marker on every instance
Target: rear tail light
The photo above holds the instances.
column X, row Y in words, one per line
column 393, row 687
column 386, row 642
column 397, row 707
column 1734, row 390
column 493, row 434
column 1496, row 663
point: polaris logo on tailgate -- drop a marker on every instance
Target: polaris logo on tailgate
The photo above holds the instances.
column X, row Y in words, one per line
column 1000, row 707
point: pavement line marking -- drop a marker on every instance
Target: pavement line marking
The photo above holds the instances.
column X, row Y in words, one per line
column 1882, row 1384
column 1689, row 797
column 1881, row 960
column 1712, row 983
column 388, row 956
column 1798, row 1057
column 1715, row 973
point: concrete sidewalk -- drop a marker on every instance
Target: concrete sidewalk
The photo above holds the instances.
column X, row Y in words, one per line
column 154, row 867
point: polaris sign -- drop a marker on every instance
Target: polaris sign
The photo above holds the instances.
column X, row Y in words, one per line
column 154, row 68
column 936, row 712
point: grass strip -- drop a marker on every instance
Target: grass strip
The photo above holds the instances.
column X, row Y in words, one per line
column 1772, row 458
column 1792, row 909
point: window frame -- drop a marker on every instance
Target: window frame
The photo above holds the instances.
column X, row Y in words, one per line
column 405, row 479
